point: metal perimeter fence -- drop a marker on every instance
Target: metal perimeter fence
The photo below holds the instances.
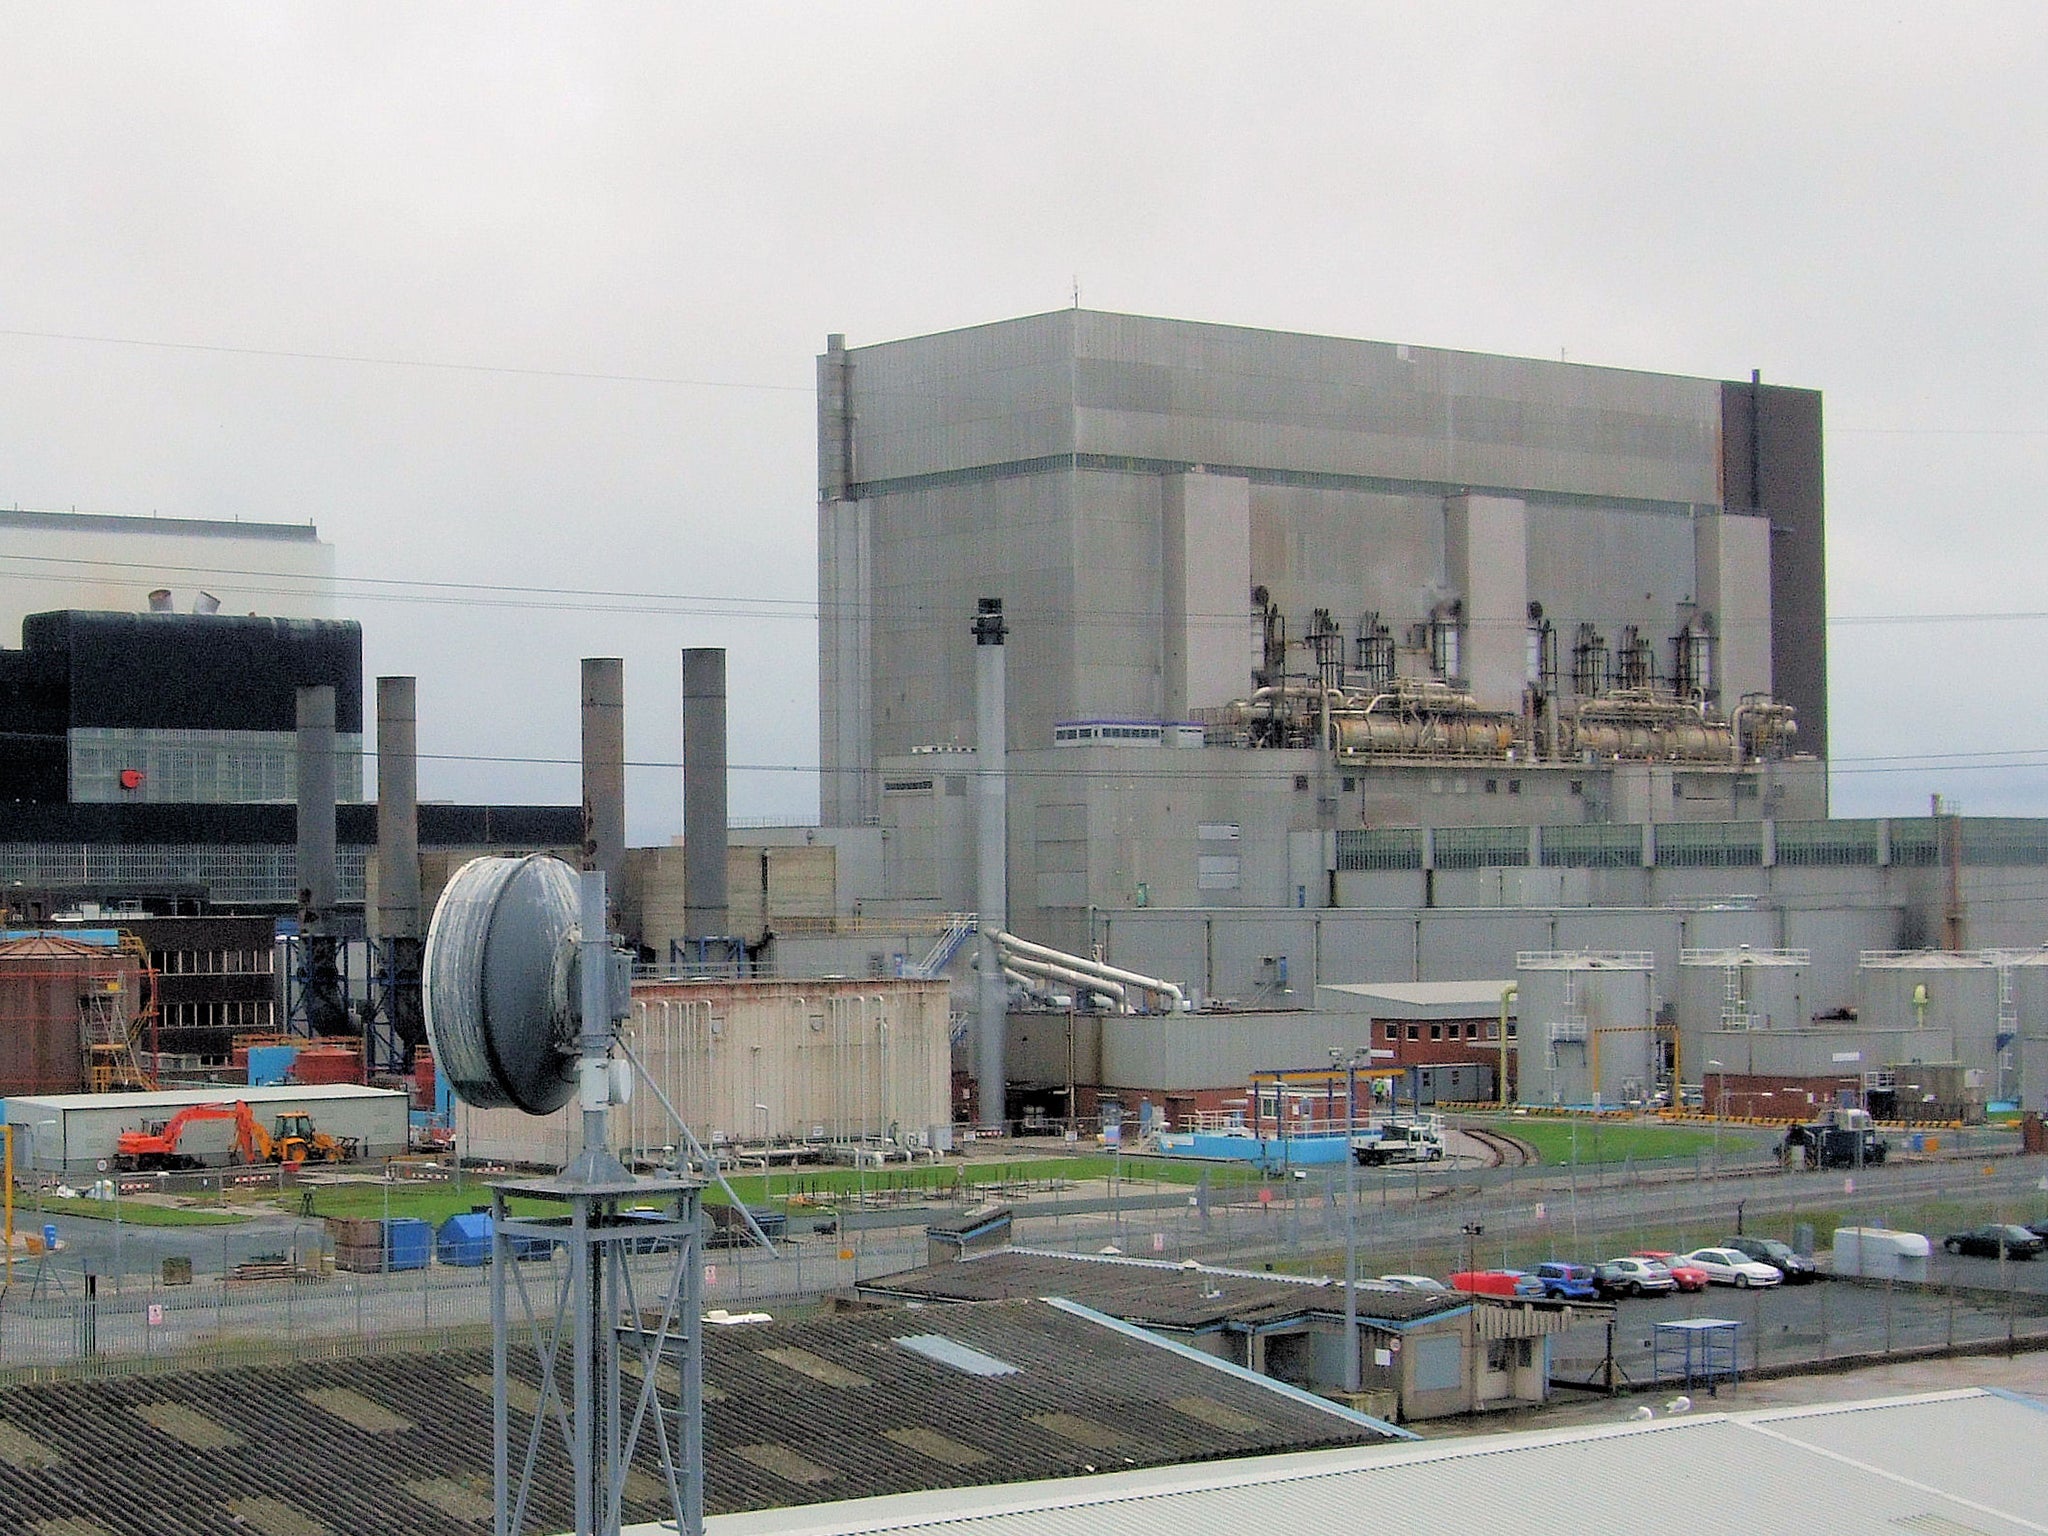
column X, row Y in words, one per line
column 1426, row 1220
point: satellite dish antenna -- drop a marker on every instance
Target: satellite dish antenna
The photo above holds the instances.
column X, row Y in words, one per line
column 524, row 992
column 501, row 1013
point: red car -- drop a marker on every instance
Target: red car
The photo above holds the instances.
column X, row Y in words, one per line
column 1688, row 1277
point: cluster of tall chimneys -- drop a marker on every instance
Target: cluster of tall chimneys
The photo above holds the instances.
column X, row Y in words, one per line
column 604, row 795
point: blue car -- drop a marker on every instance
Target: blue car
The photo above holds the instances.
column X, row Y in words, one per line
column 1568, row 1282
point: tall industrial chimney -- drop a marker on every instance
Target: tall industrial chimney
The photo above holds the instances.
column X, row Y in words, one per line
column 316, row 808
column 704, row 794
column 992, row 859
column 398, row 804
column 604, row 769
column 319, row 968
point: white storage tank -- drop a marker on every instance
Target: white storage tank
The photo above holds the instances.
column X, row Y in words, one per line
column 2024, row 1010
column 1732, row 990
column 1936, row 989
column 1586, row 1031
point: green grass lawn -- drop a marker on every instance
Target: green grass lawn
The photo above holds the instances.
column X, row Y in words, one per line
column 1557, row 1141
column 134, row 1213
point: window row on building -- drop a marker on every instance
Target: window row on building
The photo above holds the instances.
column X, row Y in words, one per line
column 1895, row 842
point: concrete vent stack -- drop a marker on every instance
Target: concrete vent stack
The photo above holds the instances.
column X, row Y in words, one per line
column 604, row 769
column 704, row 794
column 316, row 807
column 319, row 959
column 398, row 800
column 992, row 860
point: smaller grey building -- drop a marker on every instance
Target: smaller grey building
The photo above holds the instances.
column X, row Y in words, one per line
column 73, row 1135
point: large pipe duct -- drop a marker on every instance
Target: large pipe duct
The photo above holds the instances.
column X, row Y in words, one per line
column 1015, row 949
column 992, row 861
column 1110, row 992
column 704, row 794
column 398, row 805
column 604, row 768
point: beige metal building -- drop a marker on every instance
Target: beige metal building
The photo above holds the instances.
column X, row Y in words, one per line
column 748, row 1064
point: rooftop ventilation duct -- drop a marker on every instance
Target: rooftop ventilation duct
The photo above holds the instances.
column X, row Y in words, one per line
column 206, row 602
column 160, row 600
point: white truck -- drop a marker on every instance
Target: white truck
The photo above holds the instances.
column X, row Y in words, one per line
column 1399, row 1141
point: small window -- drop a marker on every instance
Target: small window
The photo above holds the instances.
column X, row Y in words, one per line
column 1493, row 786
column 1301, row 781
column 1350, row 783
column 1393, row 1031
column 1514, row 786
column 1436, row 1031
column 1414, row 1031
column 1578, row 786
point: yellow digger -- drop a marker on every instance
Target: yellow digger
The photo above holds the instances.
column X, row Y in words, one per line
column 293, row 1138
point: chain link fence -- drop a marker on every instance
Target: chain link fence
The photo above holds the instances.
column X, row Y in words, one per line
column 1423, row 1220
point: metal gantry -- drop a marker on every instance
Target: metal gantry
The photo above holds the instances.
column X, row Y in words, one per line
column 596, row 1330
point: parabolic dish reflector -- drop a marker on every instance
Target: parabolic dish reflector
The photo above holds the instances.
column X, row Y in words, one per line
column 500, row 1010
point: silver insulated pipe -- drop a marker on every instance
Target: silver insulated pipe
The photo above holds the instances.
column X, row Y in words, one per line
column 704, row 794
column 604, row 768
column 398, row 807
column 992, row 859
column 316, row 807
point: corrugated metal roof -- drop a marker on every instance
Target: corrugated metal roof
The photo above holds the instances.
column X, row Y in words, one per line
column 1183, row 1296
column 831, row 1407
column 1481, row 995
column 1797, row 1473
column 223, row 1093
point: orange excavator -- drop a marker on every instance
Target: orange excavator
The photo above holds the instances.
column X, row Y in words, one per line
column 292, row 1141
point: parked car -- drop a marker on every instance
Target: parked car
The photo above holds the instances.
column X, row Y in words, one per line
column 1793, row 1267
column 2038, row 1228
column 1635, row 1277
column 1689, row 1277
column 1414, row 1283
column 1496, row 1282
column 1996, row 1240
column 1568, row 1282
column 1731, row 1266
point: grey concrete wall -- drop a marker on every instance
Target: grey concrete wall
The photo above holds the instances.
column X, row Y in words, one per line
column 1206, row 568
column 1734, row 558
column 1486, row 555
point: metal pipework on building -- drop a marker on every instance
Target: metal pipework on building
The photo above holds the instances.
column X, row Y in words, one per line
column 705, row 895
column 604, row 767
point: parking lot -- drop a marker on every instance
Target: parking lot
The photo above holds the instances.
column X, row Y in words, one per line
column 1971, row 1302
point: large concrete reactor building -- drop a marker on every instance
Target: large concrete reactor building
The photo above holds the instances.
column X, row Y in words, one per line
column 1442, row 588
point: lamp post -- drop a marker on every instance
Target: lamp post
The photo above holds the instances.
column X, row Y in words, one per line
column 1720, row 1108
column 1351, row 1382
column 1473, row 1230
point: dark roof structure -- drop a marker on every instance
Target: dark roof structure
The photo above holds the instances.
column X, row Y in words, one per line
column 839, row 1407
column 1184, row 1298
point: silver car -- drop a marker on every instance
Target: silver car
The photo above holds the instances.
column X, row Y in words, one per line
column 1729, row 1266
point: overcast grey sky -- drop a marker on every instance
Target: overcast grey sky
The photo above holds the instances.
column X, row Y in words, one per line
column 1848, row 197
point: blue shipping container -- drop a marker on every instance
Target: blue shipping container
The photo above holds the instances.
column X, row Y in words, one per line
column 408, row 1243
column 466, row 1240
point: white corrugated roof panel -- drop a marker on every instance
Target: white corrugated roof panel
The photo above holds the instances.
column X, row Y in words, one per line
column 219, row 1093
